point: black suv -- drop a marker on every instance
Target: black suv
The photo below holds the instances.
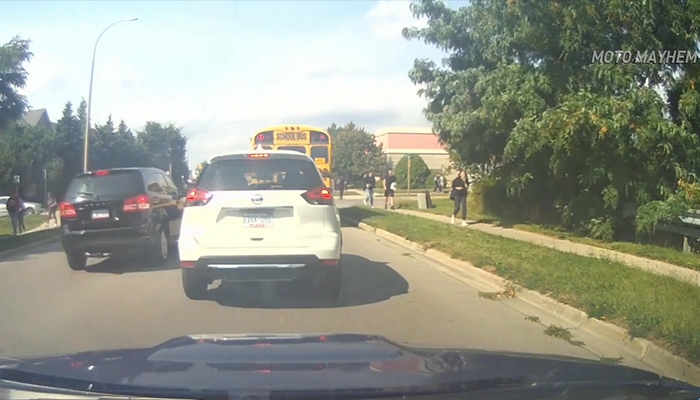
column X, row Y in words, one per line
column 117, row 211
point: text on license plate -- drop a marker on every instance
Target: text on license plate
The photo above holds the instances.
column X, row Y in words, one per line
column 257, row 220
column 100, row 214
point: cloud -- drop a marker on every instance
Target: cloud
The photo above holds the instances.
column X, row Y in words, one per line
column 45, row 74
column 227, row 117
column 388, row 18
column 117, row 74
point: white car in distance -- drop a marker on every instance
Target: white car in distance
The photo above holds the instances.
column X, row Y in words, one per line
column 30, row 208
column 264, row 215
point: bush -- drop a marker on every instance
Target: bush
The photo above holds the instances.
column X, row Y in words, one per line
column 491, row 194
column 419, row 172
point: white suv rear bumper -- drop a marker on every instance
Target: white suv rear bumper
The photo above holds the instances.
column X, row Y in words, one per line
column 325, row 246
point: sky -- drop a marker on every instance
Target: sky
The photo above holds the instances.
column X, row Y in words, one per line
column 223, row 70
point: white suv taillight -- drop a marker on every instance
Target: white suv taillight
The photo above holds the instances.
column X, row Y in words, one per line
column 318, row 196
column 197, row 197
column 137, row 204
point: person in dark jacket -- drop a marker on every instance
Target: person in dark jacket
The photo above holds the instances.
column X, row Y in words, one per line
column 343, row 186
column 13, row 206
column 389, row 189
column 460, row 188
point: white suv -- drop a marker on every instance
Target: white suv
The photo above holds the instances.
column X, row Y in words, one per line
column 260, row 216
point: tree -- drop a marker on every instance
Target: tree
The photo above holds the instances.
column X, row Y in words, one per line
column 82, row 114
column 568, row 139
column 24, row 150
column 355, row 152
column 334, row 129
column 69, row 149
column 419, row 172
column 167, row 147
column 29, row 151
column 13, row 77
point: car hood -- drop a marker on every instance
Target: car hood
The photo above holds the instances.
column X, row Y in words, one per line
column 266, row 363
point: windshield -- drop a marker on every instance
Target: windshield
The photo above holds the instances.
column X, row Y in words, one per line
column 244, row 199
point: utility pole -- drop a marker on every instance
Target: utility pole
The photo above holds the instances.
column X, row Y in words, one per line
column 409, row 173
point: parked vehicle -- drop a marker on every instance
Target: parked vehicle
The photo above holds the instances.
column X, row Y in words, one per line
column 31, row 208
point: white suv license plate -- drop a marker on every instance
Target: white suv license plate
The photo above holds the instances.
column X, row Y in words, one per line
column 257, row 220
column 100, row 214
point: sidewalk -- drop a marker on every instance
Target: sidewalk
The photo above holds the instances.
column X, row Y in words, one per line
column 653, row 266
column 44, row 226
column 402, row 196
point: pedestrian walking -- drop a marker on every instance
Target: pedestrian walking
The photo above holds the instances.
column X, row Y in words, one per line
column 52, row 204
column 389, row 189
column 369, row 189
column 458, row 194
column 443, row 183
column 12, row 206
column 341, row 186
column 20, row 215
column 436, row 183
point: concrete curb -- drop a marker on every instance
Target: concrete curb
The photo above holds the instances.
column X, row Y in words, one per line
column 11, row 252
column 644, row 350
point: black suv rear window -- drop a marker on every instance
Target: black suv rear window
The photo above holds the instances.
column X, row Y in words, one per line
column 260, row 174
column 114, row 185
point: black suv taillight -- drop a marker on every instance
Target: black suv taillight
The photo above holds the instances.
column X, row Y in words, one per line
column 67, row 210
column 318, row 196
column 137, row 204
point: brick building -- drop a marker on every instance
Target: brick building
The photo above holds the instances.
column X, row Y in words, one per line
column 399, row 141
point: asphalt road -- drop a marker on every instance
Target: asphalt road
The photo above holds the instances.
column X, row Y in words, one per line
column 48, row 309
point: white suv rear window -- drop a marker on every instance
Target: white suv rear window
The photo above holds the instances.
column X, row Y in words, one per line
column 260, row 174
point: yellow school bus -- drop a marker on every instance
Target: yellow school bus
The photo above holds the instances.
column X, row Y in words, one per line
column 310, row 140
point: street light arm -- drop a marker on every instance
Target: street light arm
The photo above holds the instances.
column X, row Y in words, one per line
column 94, row 51
column 86, row 138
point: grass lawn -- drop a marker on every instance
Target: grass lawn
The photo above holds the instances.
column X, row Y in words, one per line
column 30, row 221
column 669, row 255
column 657, row 308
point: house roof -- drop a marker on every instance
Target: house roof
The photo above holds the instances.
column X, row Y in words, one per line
column 32, row 117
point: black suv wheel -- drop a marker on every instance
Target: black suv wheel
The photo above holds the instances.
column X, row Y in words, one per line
column 76, row 261
column 159, row 249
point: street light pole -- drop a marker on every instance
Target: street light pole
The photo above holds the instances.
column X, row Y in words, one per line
column 86, row 139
